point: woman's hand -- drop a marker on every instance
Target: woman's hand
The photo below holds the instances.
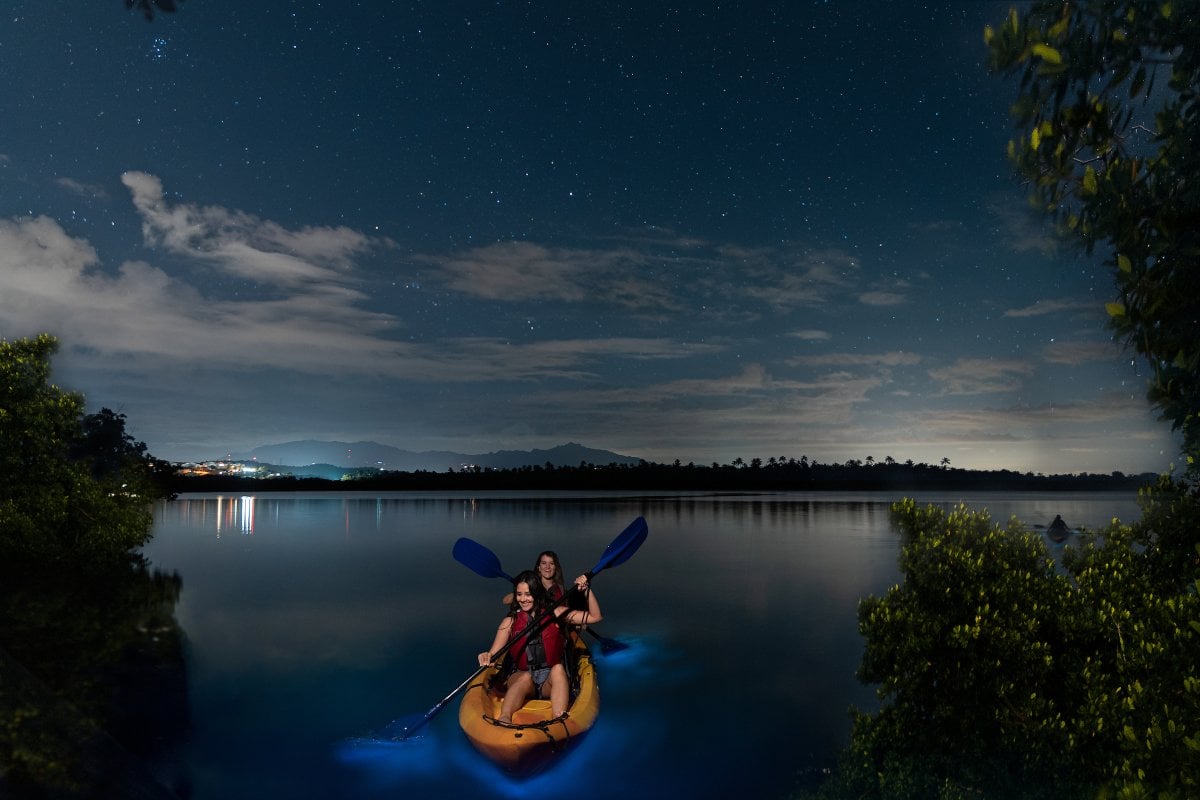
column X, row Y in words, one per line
column 581, row 584
column 485, row 659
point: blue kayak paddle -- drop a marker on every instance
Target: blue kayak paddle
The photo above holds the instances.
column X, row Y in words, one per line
column 482, row 561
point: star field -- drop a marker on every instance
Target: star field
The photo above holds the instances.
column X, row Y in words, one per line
column 699, row 231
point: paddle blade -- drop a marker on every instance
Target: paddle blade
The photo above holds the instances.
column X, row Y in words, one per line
column 404, row 728
column 478, row 559
column 624, row 546
column 607, row 645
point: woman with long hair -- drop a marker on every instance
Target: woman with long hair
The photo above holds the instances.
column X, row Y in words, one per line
column 540, row 644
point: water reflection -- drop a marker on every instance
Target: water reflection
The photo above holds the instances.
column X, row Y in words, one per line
column 93, row 695
column 233, row 513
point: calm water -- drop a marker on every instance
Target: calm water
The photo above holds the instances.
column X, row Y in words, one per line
column 313, row 620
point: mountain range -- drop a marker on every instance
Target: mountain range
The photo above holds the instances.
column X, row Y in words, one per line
column 372, row 455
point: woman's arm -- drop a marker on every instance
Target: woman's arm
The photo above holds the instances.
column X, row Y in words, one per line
column 502, row 634
column 592, row 615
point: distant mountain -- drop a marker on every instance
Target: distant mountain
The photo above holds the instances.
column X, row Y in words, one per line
column 372, row 455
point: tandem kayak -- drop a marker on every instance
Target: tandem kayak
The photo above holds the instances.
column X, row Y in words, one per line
column 533, row 738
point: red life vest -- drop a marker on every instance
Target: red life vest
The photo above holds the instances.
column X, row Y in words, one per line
column 551, row 641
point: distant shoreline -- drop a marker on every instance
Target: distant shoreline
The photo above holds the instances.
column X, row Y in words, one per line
column 657, row 477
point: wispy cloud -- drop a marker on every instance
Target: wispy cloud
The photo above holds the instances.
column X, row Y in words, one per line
column 90, row 191
column 247, row 246
column 1031, row 422
column 1045, row 307
column 970, row 376
column 656, row 273
column 1079, row 352
column 896, row 358
column 801, row 279
column 310, row 318
column 1022, row 230
column 882, row 298
column 751, row 411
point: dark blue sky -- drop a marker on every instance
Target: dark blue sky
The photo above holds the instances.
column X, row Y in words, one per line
column 699, row 231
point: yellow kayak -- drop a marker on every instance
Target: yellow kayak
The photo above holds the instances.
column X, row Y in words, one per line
column 533, row 738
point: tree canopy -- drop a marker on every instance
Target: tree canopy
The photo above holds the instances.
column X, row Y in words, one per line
column 149, row 7
column 1005, row 675
column 1108, row 114
column 72, row 486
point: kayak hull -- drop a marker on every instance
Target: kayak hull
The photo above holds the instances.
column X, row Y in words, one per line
column 534, row 739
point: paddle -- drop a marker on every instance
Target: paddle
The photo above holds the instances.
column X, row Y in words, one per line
column 618, row 552
column 484, row 562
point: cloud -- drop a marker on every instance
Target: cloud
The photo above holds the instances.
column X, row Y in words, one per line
column 1022, row 230
column 882, row 299
column 811, row 335
column 313, row 323
column 524, row 271
column 969, row 376
column 1079, row 352
column 244, row 245
column 312, row 320
column 1031, row 422
column 1044, row 307
column 89, row 191
column 804, row 279
column 896, row 358
column 655, row 274
column 750, row 411
column 478, row 359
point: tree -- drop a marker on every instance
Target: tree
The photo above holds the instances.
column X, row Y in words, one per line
column 1001, row 676
column 116, row 459
column 61, row 497
column 149, row 7
column 1108, row 113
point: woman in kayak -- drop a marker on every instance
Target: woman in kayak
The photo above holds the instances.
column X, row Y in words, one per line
column 550, row 572
column 538, row 659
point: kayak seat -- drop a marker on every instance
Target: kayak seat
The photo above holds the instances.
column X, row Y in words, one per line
column 533, row 712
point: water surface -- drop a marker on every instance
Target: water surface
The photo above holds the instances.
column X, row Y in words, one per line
column 313, row 620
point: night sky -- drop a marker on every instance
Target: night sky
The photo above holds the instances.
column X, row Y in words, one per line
column 695, row 231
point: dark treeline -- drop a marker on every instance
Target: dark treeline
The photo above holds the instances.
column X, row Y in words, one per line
column 756, row 475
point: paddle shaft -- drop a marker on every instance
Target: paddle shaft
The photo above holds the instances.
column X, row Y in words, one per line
column 543, row 621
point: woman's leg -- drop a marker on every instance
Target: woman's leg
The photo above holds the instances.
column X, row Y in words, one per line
column 560, row 692
column 520, row 686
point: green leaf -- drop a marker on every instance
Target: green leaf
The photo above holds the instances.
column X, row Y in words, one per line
column 1139, row 80
column 1047, row 53
column 1089, row 181
column 1124, row 264
column 1115, row 309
